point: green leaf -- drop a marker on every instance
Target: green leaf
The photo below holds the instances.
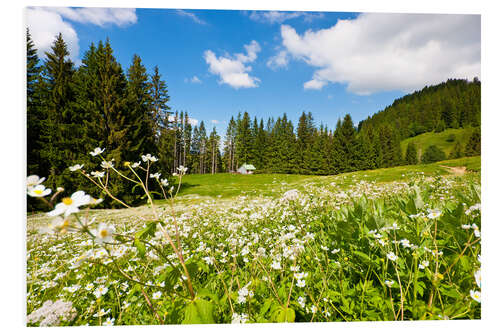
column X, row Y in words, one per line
column 141, row 248
column 284, row 315
column 199, row 311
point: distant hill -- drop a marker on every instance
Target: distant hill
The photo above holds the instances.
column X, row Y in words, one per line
column 451, row 104
column 445, row 140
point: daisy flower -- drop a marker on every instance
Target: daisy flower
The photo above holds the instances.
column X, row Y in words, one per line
column 76, row 167
column 104, row 233
column 476, row 295
column 70, row 205
column 34, row 180
column 38, row 191
column 97, row 151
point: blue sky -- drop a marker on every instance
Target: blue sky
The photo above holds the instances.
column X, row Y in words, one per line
column 217, row 63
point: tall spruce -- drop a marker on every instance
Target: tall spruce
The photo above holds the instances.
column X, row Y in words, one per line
column 160, row 111
column 34, row 113
column 61, row 130
column 411, row 154
column 473, row 146
column 139, row 117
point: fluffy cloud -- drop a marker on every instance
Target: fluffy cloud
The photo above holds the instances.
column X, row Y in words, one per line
column 273, row 17
column 194, row 79
column 232, row 70
column 45, row 23
column 191, row 16
column 382, row 52
column 279, row 60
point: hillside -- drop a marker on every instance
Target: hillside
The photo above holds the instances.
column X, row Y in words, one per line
column 442, row 140
column 451, row 104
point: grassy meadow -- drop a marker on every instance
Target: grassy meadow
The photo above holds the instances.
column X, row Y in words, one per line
column 389, row 244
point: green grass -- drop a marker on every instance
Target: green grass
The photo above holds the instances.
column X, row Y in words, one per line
column 225, row 185
column 425, row 140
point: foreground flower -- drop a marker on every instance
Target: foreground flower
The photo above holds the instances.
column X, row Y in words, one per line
column 423, row 265
column 392, row 256
column 182, row 170
column 104, row 233
column 433, row 213
column 101, row 312
column 107, row 164
column 98, row 174
column 70, row 205
column 477, row 277
column 34, row 180
column 97, row 151
column 99, row 291
column 109, row 322
column 157, row 295
column 164, row 182
column 476, row 295
column 57, row 225
column 291, row 195
column 38, row 191
column 239, row 318
column 389, row 283
column 76, row 167
column 148, row 157
column 155, row 175
column 51, row 313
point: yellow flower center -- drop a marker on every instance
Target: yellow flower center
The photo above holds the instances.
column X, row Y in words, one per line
column 38, row 192
column 67, row 201
column 103, row 233
column 65, row 224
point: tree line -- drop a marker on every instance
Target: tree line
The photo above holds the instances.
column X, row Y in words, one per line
column 71, row 110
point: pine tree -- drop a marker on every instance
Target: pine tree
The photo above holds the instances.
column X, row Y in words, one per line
column 243, row 139
column 411, row 154
column 229, row 145
column 139, row 119
column 34, row 115
column 457, row 151
column 433, row 154
column 473, row 146
column 159, row 99
column 60, row 134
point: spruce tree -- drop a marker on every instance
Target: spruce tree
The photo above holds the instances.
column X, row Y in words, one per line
column 34, row 115
column 61, row 133
column 473, row 146
column 159, row 99
column 433, row 154
column 457, row 151
column 411, row 154
column 140, row 121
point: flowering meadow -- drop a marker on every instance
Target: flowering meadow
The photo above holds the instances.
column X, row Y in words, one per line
column 339, row 249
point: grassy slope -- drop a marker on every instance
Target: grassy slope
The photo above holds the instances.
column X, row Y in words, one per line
column 423, row 141
column 224, row 188
column 230, row 185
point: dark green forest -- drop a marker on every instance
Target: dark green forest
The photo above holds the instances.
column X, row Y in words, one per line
column 71, row 110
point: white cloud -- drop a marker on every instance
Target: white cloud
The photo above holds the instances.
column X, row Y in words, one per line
column 382, row 52
column 194, row 79
column 273, row 17
column 97, row 16
column 213, row 121
column 279, row 60
column 45, row 23
column 193, row 121
column 191, row 16
column 232, row 70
